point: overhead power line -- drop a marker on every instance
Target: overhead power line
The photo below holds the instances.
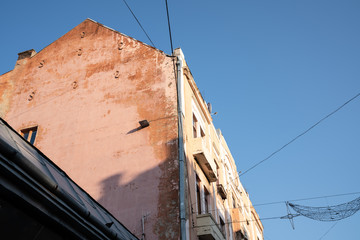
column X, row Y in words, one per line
column 300, row 135
column 328, row 230
column 139, row 23
column 340, row 210
column 168, row 18
column 305, row 199
column 240, row 221
column 282, row 202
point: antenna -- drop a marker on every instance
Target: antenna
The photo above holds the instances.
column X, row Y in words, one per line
column 209, row 107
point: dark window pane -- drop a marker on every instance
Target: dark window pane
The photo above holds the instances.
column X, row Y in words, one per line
column 33, row 135
column 29, row 134
column 26, row 135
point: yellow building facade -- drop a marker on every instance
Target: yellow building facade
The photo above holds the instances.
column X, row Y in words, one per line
column 218, row 205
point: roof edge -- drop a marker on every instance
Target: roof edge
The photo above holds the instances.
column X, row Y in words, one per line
column 100, row 24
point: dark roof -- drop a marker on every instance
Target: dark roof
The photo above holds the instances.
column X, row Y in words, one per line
column 55, row 193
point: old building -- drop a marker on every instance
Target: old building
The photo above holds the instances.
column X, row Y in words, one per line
column 128, row 124
column 39, row 201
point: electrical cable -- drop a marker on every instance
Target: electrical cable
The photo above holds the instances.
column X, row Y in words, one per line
column 328, row 230
column 248, row 220
column 282, row 202
column 139, row 23
column 168, row 18
column 271, row 218
column 304, row 199
column 300, row 135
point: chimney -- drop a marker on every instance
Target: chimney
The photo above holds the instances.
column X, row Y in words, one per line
column 26, row 54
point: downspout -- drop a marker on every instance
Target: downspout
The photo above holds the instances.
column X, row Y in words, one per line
column 143, row 227
column 180, row 97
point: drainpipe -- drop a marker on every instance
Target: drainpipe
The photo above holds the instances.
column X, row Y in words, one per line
column 143, row 227
column 180, row 97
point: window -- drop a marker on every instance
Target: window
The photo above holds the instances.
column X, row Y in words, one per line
column 241, row 235
column 238, row 235
column 197, row 129
column 207, row 200
column 222, row 225
column 29, row 134
column 202, row 134
column 244, row 234
column 198, row 194
column 195, row 126
column 247, row 209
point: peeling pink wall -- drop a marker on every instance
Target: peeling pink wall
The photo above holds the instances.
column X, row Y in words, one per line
column 88, row 91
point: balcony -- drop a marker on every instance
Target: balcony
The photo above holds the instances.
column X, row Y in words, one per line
column 242, row 235
column 222, row 191
column 207, row 229
column 203, row 157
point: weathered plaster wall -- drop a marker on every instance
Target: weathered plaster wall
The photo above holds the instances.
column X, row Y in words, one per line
column 86, row 92
column 6, row 90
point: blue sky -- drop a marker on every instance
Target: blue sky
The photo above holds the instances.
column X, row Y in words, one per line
column 271, row 69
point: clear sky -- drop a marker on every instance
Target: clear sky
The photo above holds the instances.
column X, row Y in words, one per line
column 271, row 69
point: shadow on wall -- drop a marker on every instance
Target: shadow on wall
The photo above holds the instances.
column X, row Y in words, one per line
column 149, row 201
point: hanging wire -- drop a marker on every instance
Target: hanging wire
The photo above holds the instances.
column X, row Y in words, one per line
column 328, row 230
column 310, row 198
column 241, row 221
column 279, row 202
column 139, row 23
column 168, row 18
column 331, row 213
column 300, row 135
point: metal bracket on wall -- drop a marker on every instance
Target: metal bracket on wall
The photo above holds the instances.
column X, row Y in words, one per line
column 41, row 64
column 74, row 84
column 121, row 45
column 117, row 74
column 31, row 96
